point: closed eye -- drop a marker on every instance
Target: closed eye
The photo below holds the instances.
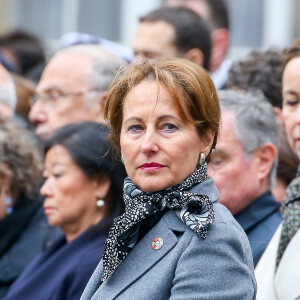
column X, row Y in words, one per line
column 292, row 102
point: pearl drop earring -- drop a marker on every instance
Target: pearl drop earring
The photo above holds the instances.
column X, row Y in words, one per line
column 100, row 203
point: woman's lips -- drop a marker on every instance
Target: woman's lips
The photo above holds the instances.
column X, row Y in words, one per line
column 48, row 210
column 151, row 166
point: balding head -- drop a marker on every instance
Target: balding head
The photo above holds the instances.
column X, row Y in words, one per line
column 73, row 87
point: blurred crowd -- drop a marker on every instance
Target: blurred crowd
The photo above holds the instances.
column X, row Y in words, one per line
column 61, row 181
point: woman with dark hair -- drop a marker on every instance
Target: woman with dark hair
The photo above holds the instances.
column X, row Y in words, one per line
column 83, row 194
column 278, row 271
column 24, row 230
column 174, row 241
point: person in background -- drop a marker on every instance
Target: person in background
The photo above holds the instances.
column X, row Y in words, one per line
column 24, row 229
column 73, row 88
column 174, row 240
column 172, row 32
column 8, row 97
column 278, row 272
column 261, row 70
column 23, row 50
column 243, row 165
column 83, row 194
column 215, row 13
column 25, row 90
column 75, row 38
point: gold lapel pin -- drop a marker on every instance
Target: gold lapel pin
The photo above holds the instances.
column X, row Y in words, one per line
column 157, row 243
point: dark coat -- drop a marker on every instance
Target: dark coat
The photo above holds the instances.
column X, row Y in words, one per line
column 23, row 235
column 260, row 220
column 63, row 270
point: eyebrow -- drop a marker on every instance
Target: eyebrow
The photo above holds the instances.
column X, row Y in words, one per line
column 290, row 92
column 58, row 163
column 51, row 89
column 219, row 151
column 159, row 118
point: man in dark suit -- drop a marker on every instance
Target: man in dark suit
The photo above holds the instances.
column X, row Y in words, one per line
column 243, row 165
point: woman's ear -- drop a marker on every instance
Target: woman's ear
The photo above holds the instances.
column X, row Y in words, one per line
column 207, row 141
column 102, row 187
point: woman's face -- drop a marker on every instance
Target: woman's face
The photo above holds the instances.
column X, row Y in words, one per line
column 159, row 149
column 291, row 103
column 70, row 197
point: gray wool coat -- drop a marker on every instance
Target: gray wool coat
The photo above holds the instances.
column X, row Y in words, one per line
column 187, row 266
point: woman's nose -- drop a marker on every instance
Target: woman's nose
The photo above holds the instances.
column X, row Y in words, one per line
column 46, row 189
column 149, row 144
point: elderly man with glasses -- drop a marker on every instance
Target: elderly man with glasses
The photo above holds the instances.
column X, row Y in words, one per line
column 73, row 88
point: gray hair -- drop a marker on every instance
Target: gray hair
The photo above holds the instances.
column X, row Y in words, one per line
column 104, row 67
column 254, row 120
column 8, row 94
column 19, row 151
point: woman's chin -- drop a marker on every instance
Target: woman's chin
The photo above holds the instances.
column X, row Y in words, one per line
column 153, row 186
column 53, row 221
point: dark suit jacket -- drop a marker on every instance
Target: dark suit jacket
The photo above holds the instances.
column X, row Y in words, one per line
column 260, row 220
column 23, row 236
column 62, row 271
column 186, row 267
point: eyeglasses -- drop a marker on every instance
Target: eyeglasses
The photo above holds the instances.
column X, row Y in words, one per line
column 52, row 98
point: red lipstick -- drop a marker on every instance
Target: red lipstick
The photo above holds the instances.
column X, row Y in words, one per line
column 48, row 210
column 151, row 166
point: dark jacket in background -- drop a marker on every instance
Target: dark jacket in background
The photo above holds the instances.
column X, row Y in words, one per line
column 62, row 271
column 23, row 235
column 260, row 220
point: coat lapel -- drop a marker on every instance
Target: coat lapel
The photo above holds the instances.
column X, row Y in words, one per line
column 143, row 255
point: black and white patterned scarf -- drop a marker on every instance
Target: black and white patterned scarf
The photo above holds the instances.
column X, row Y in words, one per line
column 196, row 211
column 291, row 215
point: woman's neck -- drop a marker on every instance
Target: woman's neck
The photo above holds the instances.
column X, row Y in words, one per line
column 73, row 230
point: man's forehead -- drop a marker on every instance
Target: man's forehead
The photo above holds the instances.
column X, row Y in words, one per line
column 154, row 36
column 65, row 71
column 70, row 61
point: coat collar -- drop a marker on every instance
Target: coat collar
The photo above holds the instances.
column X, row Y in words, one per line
column 207, row 188
column 127, row 272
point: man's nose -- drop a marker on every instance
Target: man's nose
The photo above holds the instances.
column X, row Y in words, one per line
column 37, row 113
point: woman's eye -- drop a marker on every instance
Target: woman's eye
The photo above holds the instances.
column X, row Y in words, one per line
column 169, row 127
column 292, row 102
column 57, row 174
column 135, row 128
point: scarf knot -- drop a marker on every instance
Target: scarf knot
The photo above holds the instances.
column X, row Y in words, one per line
column 195, row 210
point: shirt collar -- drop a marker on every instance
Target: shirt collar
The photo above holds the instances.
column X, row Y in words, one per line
column 260, row 208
